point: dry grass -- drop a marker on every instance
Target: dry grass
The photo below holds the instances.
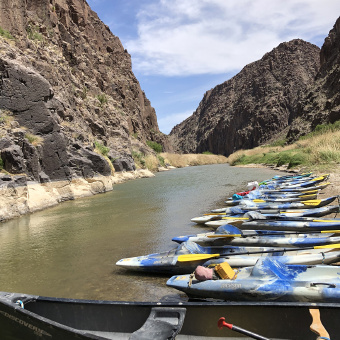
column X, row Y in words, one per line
column 315, row 151
column 151, row 162
column 34, row 139
column 182, row 160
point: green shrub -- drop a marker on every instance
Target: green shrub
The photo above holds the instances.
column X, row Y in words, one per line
column 1, row 164
column 33, row 33
column 5, row 34
column 83, row 94
column 297, row 159
column 101, row 148
column 321, row 129
column 138, row 157
column 284, row 158
column 155, row 146
column 270, row 158
column 207, row 153
column 329, row 156
column 102, row 99
column 161, row 160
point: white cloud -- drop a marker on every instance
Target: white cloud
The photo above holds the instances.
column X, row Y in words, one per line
column 166, row 123
column 187, row 37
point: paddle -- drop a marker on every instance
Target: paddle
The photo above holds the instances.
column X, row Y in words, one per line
column 198, row 257
column 317, row 326
column 221, row 323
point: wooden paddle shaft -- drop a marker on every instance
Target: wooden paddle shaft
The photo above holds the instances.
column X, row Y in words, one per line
column 317, row 326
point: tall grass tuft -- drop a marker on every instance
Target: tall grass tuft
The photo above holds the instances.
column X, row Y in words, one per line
column 319, row 149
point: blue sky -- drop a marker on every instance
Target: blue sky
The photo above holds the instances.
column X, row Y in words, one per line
column 182, row 48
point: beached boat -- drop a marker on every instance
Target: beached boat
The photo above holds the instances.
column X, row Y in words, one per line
column 307, row 210
column 231, row 235
column 297, row 189
column 290, row 214
column 287, row 225
column 257, row 204
column 277, row 194
column 268, row 280
column 185, row 257
column 30, row 317
column 271, row 199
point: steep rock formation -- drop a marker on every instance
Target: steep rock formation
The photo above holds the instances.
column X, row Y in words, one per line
column 254, row 105
column 321, row 104
column 66, row 84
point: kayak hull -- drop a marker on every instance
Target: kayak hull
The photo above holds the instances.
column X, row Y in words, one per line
column 268, row 280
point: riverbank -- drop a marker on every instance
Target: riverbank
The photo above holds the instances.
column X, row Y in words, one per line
column 19, row 197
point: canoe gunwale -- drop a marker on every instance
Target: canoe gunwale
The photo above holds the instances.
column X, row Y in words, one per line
column 32, row 298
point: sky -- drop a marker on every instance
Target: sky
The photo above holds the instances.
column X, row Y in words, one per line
column 182, row 48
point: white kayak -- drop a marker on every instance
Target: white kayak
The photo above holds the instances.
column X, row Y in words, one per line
column 230, row 235
column 268, row 280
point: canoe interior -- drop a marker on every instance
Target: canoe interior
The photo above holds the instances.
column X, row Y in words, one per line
column 82, row 319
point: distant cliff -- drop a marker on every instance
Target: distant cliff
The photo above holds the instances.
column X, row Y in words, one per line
column 254, row 106
column 67, row 90
column 321, row 103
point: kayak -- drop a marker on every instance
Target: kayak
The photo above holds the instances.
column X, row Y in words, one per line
column 306, row 184
column 290, row 214
column 287, row 225
column 274, row 199
column 222, row 237
column 292, row 225
column 188, row 255
column 276, row 194
column 313, row 187
column 317, row 203
column 242, row 209
column 32, row 317
column 268, row 280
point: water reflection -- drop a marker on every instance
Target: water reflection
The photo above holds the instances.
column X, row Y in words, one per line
column 70, row 250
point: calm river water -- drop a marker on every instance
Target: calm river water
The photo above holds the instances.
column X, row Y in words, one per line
column 71, row 250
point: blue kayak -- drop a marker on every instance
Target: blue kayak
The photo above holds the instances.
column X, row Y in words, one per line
column 275, row 199
column 233, row 236
column 292, row 225
column 171, row 262
column 240, row 210
column 268, row 280
column 308, row 204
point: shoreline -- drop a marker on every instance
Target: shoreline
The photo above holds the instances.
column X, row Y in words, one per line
column 19, row 197
column 333, row 189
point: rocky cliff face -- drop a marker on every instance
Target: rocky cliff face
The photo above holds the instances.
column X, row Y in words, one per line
column 252, row 107
column 66, row 85
column 321, row 104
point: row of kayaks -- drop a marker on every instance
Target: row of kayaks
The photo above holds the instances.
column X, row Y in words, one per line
column 276, row 252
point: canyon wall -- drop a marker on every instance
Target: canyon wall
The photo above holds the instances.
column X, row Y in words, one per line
column 68, row 96
column 254, row 106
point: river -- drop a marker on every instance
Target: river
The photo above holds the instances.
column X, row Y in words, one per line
column 70, row 250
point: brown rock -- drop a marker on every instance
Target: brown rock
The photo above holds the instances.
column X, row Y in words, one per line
column 254, row 105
